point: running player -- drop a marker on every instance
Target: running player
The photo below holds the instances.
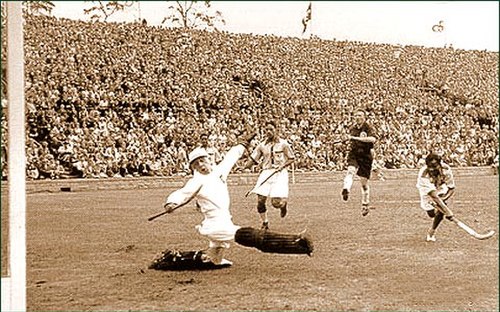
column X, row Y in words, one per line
column 276, row 155
column 360, row 158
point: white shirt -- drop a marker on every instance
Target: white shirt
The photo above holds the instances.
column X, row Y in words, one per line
column 212, row 195
column 273, row 154
column 425, row 185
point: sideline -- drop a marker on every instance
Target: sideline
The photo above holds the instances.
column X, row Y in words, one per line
column 69, row 185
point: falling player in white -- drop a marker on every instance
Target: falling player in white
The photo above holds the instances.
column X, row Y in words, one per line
column 208, row 186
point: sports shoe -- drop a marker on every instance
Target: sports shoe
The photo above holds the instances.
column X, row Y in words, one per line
column 345, row 194
column 225, row 262
column 265, row 226
column 430, row 238
column 364, row 210
column 283, row 211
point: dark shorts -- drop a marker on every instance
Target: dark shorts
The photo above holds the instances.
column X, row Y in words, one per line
column 362, row 163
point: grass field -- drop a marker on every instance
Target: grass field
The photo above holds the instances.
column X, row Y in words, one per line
column 90, row 251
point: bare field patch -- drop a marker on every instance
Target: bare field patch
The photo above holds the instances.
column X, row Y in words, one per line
column 89, row 250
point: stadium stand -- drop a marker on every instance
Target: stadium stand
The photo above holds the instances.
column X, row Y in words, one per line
column 126, row 99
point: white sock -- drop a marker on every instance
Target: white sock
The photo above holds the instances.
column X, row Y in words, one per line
column 263, row 217
column 216, row 254
column 348, row 182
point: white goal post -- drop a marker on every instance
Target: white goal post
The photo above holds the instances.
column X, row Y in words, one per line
column 14, row 285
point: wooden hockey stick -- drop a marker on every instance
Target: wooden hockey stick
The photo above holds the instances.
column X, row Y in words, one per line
column 176, row 207
column 267, row 179
column 471, row 232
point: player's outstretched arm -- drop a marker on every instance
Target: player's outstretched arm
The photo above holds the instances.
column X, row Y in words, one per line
column 367, row 139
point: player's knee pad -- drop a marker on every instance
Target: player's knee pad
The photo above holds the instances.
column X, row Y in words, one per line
column 431, row 213
column 272, row 242
column 261, row 206
column 278, row 202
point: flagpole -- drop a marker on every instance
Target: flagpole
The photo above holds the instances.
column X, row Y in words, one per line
column 306, row 21
column 139, row 9
column 310, row 26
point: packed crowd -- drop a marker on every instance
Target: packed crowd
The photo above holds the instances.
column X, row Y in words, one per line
column 126, row 99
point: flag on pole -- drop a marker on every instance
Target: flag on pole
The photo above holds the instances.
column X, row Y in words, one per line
column 307, row 18
column 439, row 31
column 439, row 27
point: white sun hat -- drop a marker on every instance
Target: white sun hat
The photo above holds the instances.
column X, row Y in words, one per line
column 197, row 153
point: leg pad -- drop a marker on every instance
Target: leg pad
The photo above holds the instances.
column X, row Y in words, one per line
column 272, row 242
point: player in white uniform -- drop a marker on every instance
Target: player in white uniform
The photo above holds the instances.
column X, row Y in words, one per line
column 208, row 186
column 275, row 154
column 436, row 185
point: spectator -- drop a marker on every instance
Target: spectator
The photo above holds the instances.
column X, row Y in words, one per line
column 89, row 84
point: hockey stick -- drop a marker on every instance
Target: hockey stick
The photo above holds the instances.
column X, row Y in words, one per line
column 267, row 179
column 165, row 212
column 471, row 232
column 176, row 207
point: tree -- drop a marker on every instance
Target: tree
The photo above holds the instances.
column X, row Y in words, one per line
column 38, row 7
column 193, row 14
column 104, row 9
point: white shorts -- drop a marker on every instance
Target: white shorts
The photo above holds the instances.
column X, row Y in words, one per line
column 426, row 202
column 219, row 232
column 276, row 186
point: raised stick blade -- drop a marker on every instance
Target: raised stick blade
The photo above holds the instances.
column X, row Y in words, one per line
column 485, row 236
